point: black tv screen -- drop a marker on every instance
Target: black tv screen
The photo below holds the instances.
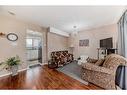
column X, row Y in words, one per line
column 106, row 43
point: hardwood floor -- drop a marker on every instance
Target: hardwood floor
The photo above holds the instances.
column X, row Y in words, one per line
column 42, row 78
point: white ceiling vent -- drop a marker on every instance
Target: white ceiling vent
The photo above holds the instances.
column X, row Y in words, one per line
column 59, row 32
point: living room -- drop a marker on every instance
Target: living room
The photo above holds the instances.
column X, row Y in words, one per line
column 44, row 46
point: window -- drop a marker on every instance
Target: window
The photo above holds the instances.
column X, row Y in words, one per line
column 29, row 42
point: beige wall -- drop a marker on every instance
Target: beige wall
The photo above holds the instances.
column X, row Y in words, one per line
column 11, row 25
column 94, row 36
column 56, row 43
column 51, row 41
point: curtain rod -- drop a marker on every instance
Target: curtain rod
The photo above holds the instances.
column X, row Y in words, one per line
column 122, row 16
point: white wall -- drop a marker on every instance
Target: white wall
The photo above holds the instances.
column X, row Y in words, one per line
column 56, row 43
column 94, row 36
column 7, row 49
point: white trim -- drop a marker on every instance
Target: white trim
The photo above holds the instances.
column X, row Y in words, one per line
column 33, row 64
column 9, row 73
column 23, row 69
column 43, row 64
column 36, row 64
column 5, row 75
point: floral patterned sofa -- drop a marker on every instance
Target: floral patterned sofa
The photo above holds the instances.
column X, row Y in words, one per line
column 104, row 75
column 60, row 58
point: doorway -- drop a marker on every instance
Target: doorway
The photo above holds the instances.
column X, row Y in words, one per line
column 34, row 47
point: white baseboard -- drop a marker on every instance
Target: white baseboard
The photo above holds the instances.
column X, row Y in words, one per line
column 9, row 73
column 43, row 64
column 23, row 69
column 5, row 75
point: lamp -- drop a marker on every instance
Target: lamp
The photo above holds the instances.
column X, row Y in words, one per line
column 2, row 34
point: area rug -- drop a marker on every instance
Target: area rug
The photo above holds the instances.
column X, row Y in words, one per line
column 73, row 70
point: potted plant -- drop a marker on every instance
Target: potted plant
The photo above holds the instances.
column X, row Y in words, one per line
column 12, row 64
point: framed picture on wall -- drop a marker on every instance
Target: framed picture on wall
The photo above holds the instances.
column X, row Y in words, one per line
column 84, row 42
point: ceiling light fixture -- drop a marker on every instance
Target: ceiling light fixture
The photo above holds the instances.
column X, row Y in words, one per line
column 74, row 26
column 11, row 13
column 75, row 30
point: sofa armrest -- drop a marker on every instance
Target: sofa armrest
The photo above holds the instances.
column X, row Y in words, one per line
column 93, row 67
column 70, row 56
column 91, row 60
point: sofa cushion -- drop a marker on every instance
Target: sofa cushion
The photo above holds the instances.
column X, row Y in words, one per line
column 65, row 60
column 100, row 62
column 95, row 68
column 90, row 60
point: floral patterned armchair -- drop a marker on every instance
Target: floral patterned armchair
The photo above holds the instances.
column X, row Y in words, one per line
column 104, row 75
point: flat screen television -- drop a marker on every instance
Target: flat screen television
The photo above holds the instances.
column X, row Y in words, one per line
column 106, row 43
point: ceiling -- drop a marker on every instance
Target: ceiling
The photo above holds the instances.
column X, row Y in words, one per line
column 65, row 17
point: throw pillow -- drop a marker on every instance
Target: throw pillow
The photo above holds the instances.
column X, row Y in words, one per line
column 100, row 62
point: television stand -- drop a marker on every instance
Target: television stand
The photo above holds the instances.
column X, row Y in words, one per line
column 103, row 52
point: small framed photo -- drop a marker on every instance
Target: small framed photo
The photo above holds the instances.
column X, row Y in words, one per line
column 84, row 42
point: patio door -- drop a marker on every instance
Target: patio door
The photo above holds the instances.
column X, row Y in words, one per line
column 34, row 47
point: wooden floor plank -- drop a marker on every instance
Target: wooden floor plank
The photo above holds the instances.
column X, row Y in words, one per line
column 43, row 78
